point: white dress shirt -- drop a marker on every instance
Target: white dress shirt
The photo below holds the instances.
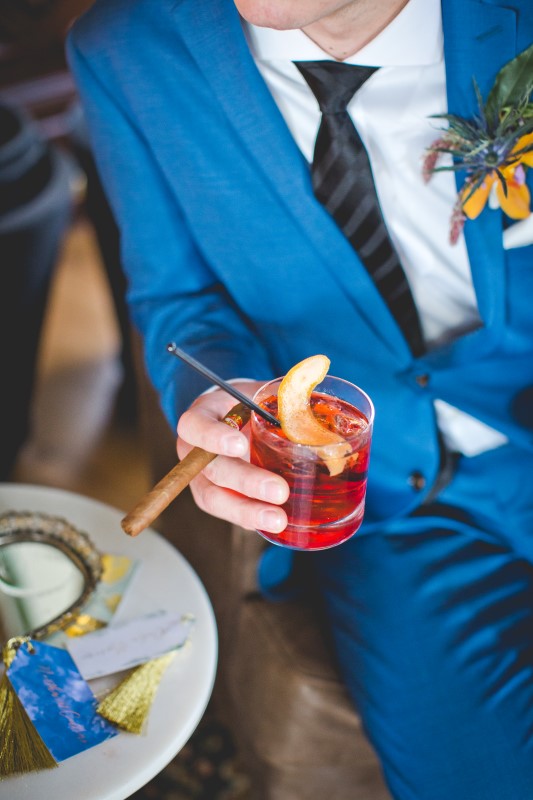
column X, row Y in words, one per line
column 391, row 112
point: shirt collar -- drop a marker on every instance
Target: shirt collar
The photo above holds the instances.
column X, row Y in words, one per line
column 414, row 37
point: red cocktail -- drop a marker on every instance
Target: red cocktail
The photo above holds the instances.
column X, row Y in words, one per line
column 327, row 485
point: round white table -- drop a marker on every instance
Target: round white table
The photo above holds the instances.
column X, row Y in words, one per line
column 164, row 580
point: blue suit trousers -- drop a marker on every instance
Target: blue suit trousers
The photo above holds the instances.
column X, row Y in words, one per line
column 432, row 621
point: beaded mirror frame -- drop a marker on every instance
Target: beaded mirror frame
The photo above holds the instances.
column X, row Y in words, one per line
column 76, row 545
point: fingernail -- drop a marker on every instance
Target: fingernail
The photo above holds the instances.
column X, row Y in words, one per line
column 271, row 521
column 271, row 490
column 234, row 445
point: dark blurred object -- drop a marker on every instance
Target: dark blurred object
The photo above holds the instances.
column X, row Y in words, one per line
column 37, row 22
column 36, row 201
column 36, row 84
column 33, row 69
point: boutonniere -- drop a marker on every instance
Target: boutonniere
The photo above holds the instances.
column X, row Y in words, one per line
column 494, row 149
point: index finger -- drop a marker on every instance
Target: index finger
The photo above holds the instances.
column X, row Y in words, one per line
column 202, row 426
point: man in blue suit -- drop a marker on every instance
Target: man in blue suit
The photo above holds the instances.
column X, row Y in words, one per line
column 204, row 129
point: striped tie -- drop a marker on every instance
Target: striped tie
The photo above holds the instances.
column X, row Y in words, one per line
column 343, row 183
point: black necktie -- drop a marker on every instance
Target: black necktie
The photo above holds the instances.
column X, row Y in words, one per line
column 343, row 183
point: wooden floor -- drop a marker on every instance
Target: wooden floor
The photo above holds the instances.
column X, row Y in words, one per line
column 78, row 440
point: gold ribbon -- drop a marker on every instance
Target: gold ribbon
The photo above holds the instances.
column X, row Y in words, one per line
column 128, row 705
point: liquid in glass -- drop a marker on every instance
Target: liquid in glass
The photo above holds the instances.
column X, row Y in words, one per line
column 323, row 509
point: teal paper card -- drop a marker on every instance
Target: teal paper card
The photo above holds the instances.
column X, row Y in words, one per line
column 58, row 700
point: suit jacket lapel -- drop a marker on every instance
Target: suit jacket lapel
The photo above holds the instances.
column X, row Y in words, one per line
column 479, row 39
column 213, row 35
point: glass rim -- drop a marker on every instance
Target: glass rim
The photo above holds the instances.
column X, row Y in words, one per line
column 270, row 435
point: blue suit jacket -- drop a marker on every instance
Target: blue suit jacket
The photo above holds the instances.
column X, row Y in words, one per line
column 229, row 254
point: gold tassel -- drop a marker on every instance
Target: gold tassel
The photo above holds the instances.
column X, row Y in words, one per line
column 128, row 705
column 21, row 748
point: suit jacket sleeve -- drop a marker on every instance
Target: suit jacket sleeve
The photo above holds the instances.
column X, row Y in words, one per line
column 172, row 294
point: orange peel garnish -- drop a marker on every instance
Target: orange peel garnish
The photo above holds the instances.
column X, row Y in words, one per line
column 298, row 422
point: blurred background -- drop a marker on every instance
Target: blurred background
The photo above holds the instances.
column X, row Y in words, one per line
column 69, row 413
column 66, row 342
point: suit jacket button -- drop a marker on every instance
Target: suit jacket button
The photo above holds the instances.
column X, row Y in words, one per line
column 417, row 481
column 522, row 407
column 422, row 380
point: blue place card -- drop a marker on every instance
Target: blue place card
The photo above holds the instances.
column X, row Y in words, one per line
column 57, row 699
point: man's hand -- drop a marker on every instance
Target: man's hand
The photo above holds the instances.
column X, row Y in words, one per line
column 230, row 487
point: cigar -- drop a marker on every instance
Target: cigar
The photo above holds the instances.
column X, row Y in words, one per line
column 174, row 482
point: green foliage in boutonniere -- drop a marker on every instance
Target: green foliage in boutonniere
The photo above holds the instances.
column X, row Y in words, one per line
column 494, row 149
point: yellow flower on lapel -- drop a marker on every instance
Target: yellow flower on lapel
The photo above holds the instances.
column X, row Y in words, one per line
column 509, row 184
column 494, row 149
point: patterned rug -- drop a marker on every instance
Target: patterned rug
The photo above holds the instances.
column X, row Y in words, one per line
column 206, row 768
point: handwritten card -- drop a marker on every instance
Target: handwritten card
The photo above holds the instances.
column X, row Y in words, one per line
column 128, row 644
column 58, row 700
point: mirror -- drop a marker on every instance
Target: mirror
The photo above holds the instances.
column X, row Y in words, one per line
column 48, row 571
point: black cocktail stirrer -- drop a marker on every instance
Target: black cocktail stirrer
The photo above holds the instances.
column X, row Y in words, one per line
column 228, row 387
